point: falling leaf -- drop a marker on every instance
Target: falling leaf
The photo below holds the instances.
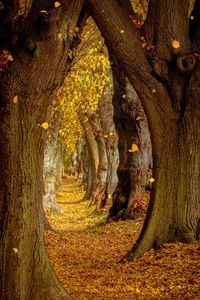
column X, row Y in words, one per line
column 109, row 196
column 15, row 99
column 122, row 31
column 134, row 148
column 60, row 36
column 154, row 90
column 176, row 44
column 139, row 118
column 10, row 58
column 45, row 125
column 44, row 12
column 57, row 4
column 192, row 17
column 151, row 179
column 15, row 250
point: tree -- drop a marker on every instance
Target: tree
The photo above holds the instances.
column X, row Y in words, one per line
column 161, row 60
column 134, row 169
column 35, row 38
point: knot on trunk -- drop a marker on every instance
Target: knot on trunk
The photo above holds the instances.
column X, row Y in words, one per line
column 186, row 62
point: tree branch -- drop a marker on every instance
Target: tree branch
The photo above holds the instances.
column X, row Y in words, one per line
column 124, row 42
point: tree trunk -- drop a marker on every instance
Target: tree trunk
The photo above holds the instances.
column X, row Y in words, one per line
column 27, row 273
column 52, row 170
column 93, row 157
column 106, row 112
column 99, row 189
column 135, row 168
column 167, row 82
column 36, row 72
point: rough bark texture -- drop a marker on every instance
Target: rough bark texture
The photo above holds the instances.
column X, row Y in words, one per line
column 168, row 83
column 106, row 112
column 37, row 70
column 52, row 173
column 135, row 168
column 93, row 156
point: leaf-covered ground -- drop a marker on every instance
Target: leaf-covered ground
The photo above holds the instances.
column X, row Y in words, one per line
column 86, row 253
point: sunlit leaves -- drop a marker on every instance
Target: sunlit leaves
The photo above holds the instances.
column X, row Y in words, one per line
column 44, row 12
column 84, row 85
column 57, row 4
column 151, row 179
column 134, row 148
column 45, row 125
column 15, row 99
column 175, row 44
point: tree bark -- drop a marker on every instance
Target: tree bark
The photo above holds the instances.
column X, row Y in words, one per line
column 167, row 83
column 52, row 173
column 135, row 168
column 36, row 72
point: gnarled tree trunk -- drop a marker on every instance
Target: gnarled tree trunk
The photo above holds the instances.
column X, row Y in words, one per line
column 36, row 72
column 166, row 78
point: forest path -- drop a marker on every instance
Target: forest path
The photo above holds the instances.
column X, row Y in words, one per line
column 86, row 254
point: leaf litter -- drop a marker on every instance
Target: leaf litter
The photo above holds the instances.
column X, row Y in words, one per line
column 86, row 255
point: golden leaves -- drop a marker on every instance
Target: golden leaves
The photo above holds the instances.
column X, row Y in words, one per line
column 44, row 125
column 134, row 148
column 57, row 4
column 175, row 44
column 15, row 99
column 151, row 179
column 59, row 35
column 44, row 12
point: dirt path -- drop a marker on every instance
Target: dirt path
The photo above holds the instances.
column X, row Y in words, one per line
column 85, row 257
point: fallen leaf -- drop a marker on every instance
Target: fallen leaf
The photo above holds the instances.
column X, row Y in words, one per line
column 45, row 125
column 176, row 44
column 154, row 90
column 44, row 12
column 15, row 99
column 134, row 148
column 122, row 31
column 57, row 4
column 15, row 250
column 151, row 179
column 10, row 58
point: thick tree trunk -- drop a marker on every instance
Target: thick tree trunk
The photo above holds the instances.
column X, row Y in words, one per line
column 25, row 270
column 135, row 168
column 167, row 82
column 36, row 72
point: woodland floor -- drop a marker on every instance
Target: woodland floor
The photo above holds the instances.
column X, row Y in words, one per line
column 85, row 256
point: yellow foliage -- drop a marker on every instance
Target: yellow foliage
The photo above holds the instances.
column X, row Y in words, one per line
column 15, row 99
column 151, row 179
column 45, row 125
column 57, row 4
column 176, row 44
column 134, row 148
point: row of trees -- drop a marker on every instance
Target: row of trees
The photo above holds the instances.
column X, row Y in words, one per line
column 161, row 61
